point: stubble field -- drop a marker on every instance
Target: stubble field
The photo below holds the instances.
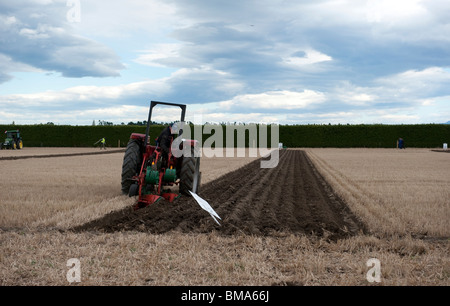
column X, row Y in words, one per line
column 281, row 226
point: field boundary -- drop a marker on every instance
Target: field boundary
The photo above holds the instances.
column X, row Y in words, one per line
column 292, row 136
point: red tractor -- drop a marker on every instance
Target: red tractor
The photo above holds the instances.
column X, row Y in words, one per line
column 146, row 172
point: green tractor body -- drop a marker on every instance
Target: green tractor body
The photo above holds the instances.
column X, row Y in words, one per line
column 13, row 140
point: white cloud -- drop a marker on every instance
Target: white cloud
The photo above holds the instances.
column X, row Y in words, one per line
column 436, row 74
column 7, row 20
column 393, row 12
column 414, row 84
column 274, row 100
column 243, row 117
column 355, row 95
column 70, row 97
column 399, row 118
column 125, row 19
column 410, row 88
column 337, row 117
column 310, row 57
column 153, row 56
column 202, row 84
column 42, row 31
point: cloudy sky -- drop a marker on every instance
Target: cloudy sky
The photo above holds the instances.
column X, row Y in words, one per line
column 292, row 62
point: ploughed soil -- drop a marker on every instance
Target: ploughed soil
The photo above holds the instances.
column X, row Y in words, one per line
column 289, row 198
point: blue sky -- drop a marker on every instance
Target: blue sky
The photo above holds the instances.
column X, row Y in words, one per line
column 291, row 62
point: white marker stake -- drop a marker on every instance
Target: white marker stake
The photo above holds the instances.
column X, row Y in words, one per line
column 203, row 204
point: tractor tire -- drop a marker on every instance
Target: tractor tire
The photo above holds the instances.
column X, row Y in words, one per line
column 131, row 166
column 19, row 144
column 190, row 175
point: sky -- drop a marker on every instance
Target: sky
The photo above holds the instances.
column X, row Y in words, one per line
column 268, row 61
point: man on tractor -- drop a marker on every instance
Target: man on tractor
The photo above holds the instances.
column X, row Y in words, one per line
column 164, row 141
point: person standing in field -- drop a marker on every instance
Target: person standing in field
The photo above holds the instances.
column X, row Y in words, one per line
column 103, row 143
column 400, row 143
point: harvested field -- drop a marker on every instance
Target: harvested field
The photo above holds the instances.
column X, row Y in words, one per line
column 54, row 152
column 390, row 205
column 396, row 192
column 291, row 198
column 72, row 186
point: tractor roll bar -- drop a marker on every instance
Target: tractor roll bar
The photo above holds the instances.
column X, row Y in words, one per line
column 153, row 104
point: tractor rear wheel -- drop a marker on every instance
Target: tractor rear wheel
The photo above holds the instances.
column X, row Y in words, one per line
column 131, row 164
column 190, row 175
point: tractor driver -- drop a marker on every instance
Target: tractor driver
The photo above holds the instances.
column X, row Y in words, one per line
column 164, row 140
